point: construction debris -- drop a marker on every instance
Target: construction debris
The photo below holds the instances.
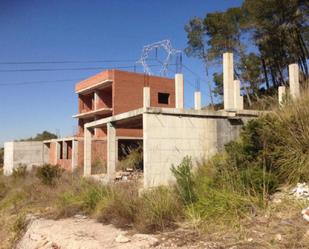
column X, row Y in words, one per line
column 301, row 191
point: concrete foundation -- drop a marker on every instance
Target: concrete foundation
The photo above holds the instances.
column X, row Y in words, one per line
column 294, row 81
column 27, row 153
column 228, row 80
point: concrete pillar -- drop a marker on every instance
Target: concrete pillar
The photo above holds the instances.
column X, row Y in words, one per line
column 228, row 79
column 112, row 152
column 74, row 155
column 96, row 100
column 294, row 80
column 281, row 93
column 179, row 91
column 146, row 96
column 197, row 101
column 64, row 150
column 238, row 100
column 58, row 150
column 87, row 152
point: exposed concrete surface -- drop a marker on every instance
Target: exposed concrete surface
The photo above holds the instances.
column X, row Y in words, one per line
column 281, row 93
column 29, row 153
column 294, row 80
column 179, row 91
column 228, row 79
column 197, row 101
column 168, row 139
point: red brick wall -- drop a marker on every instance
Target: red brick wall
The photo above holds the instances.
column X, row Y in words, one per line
column 105, row 98
column 128, row 91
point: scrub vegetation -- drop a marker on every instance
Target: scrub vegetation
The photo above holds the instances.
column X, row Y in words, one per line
column 224, row 192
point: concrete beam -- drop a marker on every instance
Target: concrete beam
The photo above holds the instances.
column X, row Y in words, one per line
column 112, row 152
column 179, row 91
column 197, row 101
column 146, row 97
column 281, row 93
column 228, row 79
column 294, row 81
column 87, row 152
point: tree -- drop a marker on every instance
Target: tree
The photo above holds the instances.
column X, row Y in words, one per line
column 218, row 80
column 278, row 30
column 45, row 135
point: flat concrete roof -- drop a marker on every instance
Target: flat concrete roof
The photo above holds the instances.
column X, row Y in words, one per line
column 63, row 139
column 100, row 111
column 101, row 85
column 137, row 114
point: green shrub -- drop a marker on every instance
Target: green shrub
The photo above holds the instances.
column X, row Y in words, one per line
column 133, row 160
column 184, row 180
column 83, row 197
column 48, row 174
column 119, row 206
column 159, row 209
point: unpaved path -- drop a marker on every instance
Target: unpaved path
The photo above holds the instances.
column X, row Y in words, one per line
column 80, row 233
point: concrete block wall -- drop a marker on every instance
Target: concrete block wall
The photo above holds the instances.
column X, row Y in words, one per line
column 169, row 138
column 27, row 153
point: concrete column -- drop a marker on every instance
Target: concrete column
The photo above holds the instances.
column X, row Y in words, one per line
column 294, row 81
column 179, row 91
column 281, row 93
column 96, row 99
column 146, row 96
column 64, row 150
column 228, row 78
column 112, row 155
column 197, row 101
column 58, row 150
column 87, row 152
column 74, row 155
column 238, row 100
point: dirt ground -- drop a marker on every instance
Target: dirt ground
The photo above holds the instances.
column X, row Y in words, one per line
column 281, row 227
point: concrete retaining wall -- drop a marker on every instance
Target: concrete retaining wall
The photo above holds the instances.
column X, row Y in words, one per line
column 169, row 138
column 26, row 153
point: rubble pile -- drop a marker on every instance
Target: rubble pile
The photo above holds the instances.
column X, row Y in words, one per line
column 301, row 191
column 129, row 174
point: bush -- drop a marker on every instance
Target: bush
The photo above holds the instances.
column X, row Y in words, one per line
column 159, row 209
column 133, row 160
column 184, row 180
column 119, row 206
column 84, row 198
column 20, row 171
column 48, row 174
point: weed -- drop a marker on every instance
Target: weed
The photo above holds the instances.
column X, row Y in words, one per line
column 20, row 171
column 49, row 173
column 159, row 208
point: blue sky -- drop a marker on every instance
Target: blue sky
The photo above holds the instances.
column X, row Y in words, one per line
column 81, row 30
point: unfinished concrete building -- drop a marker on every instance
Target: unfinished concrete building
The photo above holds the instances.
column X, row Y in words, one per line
column 120, row 108
column 105, row 95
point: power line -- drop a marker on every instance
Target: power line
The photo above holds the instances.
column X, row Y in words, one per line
column 63, row 62
column 38, row 82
